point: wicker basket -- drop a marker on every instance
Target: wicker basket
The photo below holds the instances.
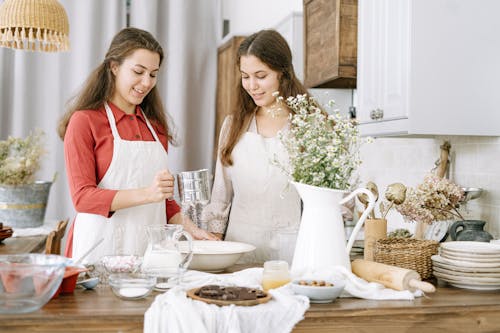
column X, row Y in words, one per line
column 407, row 253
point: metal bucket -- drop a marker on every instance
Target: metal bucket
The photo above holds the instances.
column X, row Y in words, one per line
column 23, row 206
column 194, row 186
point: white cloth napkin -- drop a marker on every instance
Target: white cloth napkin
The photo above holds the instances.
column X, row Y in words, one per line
column 173, row 311
column 357, row 287
column 44, row 229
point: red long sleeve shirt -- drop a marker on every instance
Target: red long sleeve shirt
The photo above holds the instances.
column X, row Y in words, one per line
column 88, row 149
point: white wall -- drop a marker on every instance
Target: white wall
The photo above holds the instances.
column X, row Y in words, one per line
column 247, row 16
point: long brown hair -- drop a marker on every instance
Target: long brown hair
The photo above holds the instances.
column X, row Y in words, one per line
column 100, row 85
column 273, row 50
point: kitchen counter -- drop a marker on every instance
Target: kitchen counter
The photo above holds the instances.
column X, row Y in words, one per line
column 447, row 310
column 15, row 245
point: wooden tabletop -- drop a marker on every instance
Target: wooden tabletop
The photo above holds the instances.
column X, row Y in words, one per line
column 15, row 245
column 448, row 310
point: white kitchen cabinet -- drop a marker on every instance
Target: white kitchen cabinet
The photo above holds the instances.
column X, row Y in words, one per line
column 429, row 67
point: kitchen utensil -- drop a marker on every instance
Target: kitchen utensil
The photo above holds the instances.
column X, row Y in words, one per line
column 316, row 293
column 193, row 293
column 28, row 281
column 471, row 230
column 163, row 258
column 194, row 193
column 471, row 193
column 214, row 256
column 89, row 251
column 121, row 263
column 131, row 285
column 390, row 276
column 89, row 283
column 70, row 277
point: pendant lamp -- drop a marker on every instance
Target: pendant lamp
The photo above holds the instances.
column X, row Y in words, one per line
column 36, row 25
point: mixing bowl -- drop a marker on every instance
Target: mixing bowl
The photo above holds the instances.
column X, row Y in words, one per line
column 215, row 256
column 28, row 281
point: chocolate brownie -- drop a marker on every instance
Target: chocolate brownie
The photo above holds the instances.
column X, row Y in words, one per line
column 229, row 293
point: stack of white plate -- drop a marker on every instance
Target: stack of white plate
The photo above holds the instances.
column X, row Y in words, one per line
column 469, row 265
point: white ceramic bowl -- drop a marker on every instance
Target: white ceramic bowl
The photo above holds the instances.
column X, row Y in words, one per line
column 215, row 256
column 319, row 294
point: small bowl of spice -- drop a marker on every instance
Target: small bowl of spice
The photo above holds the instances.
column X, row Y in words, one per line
column 131, row 286
column 318, row 291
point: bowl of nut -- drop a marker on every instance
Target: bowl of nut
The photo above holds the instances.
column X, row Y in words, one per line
column 318, row 291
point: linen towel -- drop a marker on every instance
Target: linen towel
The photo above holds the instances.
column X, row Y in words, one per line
column 173, row 311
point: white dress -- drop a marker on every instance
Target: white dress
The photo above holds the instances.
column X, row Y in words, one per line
column 253, row 198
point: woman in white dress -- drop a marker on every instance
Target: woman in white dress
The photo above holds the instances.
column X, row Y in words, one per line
column 251, row 199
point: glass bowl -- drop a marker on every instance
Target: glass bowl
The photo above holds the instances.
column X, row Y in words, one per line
column 114, row 264
column 28, row 281
column 131, row 286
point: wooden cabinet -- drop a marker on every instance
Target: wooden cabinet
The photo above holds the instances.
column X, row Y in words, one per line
column 330, row 38
column 428, row 67
column 227, row 81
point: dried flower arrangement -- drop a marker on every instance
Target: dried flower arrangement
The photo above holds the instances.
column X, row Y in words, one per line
column 20, row 158
column 435, row 199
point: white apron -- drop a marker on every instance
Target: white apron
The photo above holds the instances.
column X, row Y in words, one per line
column 262, row 202
column 134, row 165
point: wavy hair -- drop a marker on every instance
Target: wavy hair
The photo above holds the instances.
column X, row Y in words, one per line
column 100, row 85
column 273, row 50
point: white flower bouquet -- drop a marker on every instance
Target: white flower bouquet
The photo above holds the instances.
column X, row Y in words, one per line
column 323, row 148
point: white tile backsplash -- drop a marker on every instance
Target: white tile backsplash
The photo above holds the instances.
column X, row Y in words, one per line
column 475, row 162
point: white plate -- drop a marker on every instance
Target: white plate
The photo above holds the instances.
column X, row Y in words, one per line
column 476, row 259
column 468, row 280
column 465, row 263
column 468, row 256
column 472, row 247
column 464, row 269
column 472, row 286
column 465, row 274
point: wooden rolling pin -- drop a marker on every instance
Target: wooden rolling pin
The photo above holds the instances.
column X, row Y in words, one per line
column 390, row 276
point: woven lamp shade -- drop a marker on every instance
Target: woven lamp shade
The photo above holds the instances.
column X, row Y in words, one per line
column 36, row 25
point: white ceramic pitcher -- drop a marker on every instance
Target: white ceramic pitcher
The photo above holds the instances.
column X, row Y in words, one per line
column 321, row 239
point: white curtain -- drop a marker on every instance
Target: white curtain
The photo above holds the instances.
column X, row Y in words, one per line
column 187, row 30
column 35, row 86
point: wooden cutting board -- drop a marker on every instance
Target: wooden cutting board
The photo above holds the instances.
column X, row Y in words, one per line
column 191, row 293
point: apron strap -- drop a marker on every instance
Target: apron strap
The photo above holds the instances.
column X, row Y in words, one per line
column 150, row 127
column 112, row 122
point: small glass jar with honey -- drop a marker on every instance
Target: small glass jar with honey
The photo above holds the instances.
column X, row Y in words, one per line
column 275, row 274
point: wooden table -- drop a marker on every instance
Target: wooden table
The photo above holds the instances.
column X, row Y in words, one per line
column 15, row 245
column 448, row 310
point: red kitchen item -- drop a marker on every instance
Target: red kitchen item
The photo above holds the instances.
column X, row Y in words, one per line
column 68, row 283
